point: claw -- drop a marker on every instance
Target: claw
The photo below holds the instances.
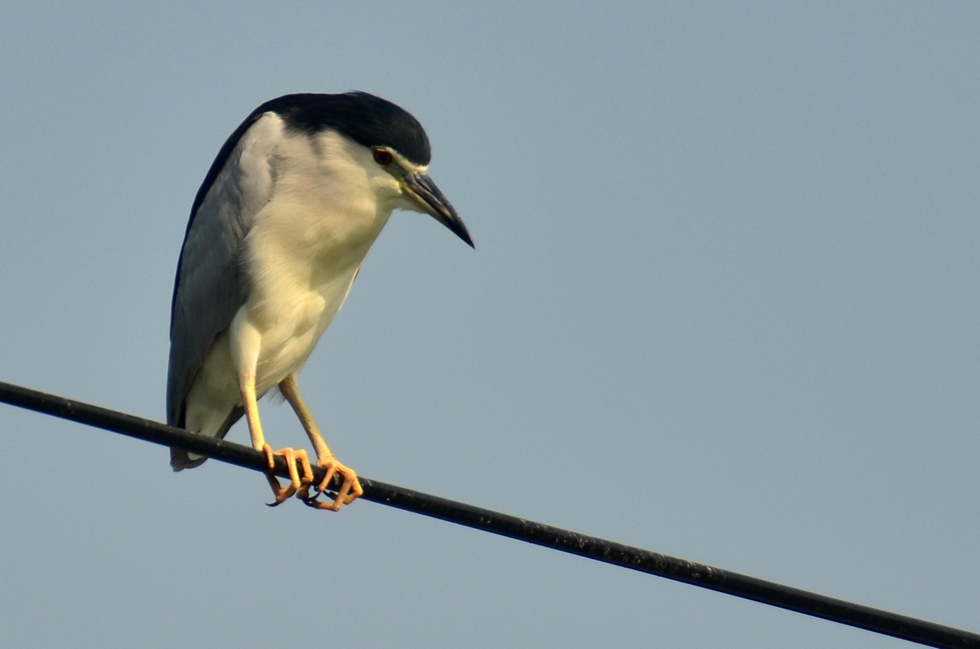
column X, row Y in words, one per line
column 291, row 456
column 349, row 490
column 280, row 493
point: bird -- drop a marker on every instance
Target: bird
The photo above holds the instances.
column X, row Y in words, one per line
column 276, row 237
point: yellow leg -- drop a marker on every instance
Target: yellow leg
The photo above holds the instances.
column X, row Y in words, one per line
column 258, row 442
column 351, row 487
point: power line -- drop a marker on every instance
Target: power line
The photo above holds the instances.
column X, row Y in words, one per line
column 654, row 563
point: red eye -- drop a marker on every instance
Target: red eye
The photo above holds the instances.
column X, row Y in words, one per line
column 382, row 157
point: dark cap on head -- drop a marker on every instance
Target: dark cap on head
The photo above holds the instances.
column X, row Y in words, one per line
column 363, row 117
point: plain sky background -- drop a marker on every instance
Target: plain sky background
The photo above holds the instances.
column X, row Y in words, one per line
column 723, row 305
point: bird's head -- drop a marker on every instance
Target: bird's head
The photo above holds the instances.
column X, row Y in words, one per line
column 397, row 143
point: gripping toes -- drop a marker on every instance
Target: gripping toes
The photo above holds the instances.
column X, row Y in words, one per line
column 292, row 457
column 349, row 490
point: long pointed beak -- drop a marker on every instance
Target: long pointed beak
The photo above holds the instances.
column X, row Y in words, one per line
column 427, row 195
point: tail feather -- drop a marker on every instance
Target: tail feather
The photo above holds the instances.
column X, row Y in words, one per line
column 181, row 459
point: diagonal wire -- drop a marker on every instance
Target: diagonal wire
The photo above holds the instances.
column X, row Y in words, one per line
column 654, row 563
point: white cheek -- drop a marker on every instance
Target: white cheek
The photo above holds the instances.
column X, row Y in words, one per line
column 387, row 190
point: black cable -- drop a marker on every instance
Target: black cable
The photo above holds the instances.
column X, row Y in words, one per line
column 696, row 574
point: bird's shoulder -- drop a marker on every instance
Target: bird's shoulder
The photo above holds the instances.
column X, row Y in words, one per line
column 238, row 184
column 255, row 128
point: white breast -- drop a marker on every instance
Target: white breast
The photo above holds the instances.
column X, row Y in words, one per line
column 303, row 252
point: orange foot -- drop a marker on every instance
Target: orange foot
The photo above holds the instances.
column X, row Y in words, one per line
column 292, row 457
column 349, row 490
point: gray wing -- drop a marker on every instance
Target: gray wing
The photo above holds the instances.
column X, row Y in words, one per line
column 208, row 289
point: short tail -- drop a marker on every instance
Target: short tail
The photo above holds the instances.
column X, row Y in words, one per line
column 181, row 459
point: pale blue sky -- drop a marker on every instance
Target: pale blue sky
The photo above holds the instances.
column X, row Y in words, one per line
column 723, row 305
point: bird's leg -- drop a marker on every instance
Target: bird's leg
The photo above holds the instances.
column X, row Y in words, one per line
column 351, row 487
column 258, row 442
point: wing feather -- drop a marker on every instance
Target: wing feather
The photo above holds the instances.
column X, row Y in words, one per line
column 209, row 287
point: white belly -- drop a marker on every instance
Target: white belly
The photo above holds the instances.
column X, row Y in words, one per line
column 290, row 332
column 301, row 270
column 281, row 347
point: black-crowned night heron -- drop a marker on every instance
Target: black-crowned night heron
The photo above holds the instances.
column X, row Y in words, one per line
column 277, row 233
